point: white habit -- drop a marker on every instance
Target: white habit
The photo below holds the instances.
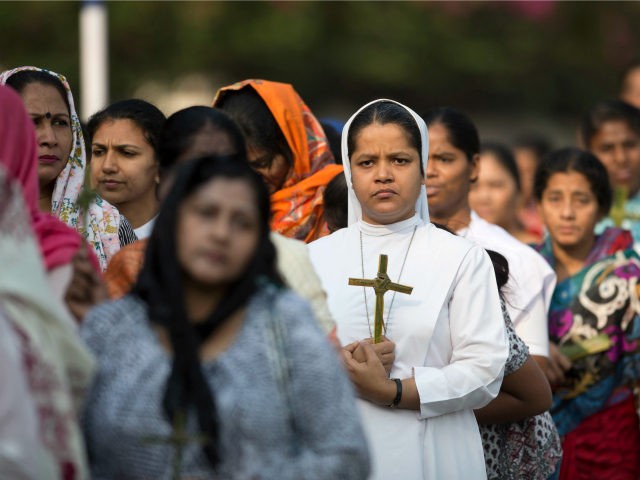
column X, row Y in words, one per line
column 449, row 335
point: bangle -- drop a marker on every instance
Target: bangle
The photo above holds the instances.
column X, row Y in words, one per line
column 396, row 401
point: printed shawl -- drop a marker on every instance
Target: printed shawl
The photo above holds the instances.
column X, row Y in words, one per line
column 602, row 298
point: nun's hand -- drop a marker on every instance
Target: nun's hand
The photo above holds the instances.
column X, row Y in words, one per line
column 369, row 377
column 385, row 350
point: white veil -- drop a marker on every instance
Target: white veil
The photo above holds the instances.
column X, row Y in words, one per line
column 355, row 210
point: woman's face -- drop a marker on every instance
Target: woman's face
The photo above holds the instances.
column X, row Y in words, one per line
column 124, row 169
column 569, row 209
column 449, row 175
column 53, row 129
column 385, row 171
column 495, row 195
column 273, row 168
column 218, row 231
column 617, row 146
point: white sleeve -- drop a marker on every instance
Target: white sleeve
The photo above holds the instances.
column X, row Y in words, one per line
column 479, row 345
column 532, row 330
column 531, row 321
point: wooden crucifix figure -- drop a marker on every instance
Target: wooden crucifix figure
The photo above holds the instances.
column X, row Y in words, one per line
column 179, row 440
column 381, row 284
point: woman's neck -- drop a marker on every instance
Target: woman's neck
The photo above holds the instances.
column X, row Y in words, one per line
column 459, row 219
column 139, row 211
column 200, row 302
column 46, row 194
column 570, row 260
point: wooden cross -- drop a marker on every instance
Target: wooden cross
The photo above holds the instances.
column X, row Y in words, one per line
column 617, row 212
column 179, row 438
column 381, row 284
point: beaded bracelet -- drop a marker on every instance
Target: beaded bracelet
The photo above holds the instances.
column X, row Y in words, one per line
column 396, row 401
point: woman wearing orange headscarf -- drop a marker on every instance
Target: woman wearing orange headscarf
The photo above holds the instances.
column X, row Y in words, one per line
column 287, row 146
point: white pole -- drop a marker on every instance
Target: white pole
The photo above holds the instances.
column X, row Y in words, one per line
column 94, row 60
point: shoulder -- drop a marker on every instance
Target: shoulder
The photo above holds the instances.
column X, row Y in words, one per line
column 449, row 247
column 290, row 310
column 328, row 242
column 110, row 321
column 286, row 302
column 517, row 253
column 290, row 247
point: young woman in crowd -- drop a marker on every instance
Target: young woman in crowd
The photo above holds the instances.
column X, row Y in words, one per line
column 62, row 161
column 211, row 345
column 496, row 195
column 449, row 333
column 454, row 153
column 124, row 160
column 288, row 148
column 611, row 131
column 593, row 403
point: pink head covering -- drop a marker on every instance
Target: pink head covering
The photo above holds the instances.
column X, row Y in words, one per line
column 19, row 157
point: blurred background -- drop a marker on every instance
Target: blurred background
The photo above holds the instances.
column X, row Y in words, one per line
column 514, row 66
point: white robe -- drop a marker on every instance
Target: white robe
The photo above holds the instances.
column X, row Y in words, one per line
column 449, row 335
column 531, row 282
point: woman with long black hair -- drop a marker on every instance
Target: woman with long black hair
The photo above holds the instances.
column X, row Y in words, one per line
column 210, row 361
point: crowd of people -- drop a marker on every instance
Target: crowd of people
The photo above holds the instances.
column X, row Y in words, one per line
column 241, row 291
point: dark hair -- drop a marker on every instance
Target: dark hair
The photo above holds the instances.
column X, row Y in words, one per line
column 255, row 120
column 504, row 157
column 383, row 113
column 461, row 131
column 608, row 111
column 335, row 198
column 585, row 163
column 160, row 287
column 179, row 129
column 500, row 268
column 19, row 80
column 334, row 138
column 536, row 143
column 145, row 115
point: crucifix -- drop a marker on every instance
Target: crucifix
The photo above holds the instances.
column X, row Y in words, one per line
column 179, row 438
column 381, row 284
column 618, row 213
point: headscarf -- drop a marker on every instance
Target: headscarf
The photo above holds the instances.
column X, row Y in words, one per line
column 297, row 208
column 99, row 225
column 19, row 157
column 355, row 210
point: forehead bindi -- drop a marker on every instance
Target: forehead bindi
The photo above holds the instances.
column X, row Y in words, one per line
column 41, row 99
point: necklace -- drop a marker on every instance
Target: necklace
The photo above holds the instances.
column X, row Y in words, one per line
column 393, row 298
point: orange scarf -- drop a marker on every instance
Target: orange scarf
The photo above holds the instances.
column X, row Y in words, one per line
column 298, row 209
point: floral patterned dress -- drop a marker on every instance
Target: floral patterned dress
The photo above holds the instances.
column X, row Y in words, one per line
column 529, row 449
